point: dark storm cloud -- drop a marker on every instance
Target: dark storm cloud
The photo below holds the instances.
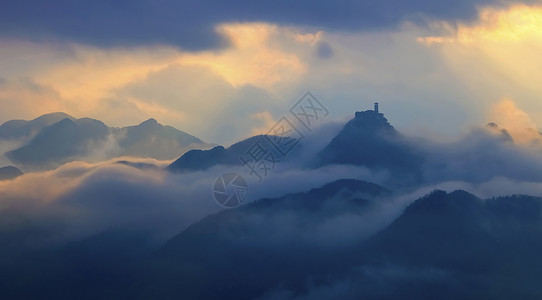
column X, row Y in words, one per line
column 190, row 24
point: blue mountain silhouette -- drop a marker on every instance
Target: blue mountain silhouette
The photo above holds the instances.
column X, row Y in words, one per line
column 52, row 143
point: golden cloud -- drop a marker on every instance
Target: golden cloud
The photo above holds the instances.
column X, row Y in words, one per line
column 90, row 81
column 257, row 56
column 497, row 56
column 517, row 123
column 494, row 25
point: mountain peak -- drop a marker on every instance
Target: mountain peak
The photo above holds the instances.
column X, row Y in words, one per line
column 51, row 118
column 368, row 113
column 370, row 140
column 55, row 115
column 21, row 129
column 370, row 120
column 149, row 122
column 9, row 172
column 64, row 122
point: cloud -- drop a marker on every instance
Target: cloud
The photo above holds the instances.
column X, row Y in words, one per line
column 191, row 25
column 495, row 57
column 26, row 98
column 324, row 50
column 199, row 101
column 480, row 156
column 90, row 197
column 97, row 193
column 493, row 25
column 80, row 199
column 268, row 66
column 44, row 210
column 122, row 86
column 261, row 54
column 517, row 122
column 6, row 146
column 267, row 123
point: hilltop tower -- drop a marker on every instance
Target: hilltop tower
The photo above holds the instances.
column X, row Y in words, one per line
column 376, row 107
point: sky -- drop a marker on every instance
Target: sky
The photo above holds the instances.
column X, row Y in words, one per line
column 224, row 70
column 227, row 70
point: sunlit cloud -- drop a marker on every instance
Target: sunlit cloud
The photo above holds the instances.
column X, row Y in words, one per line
column 448, row 79
column 124, row 86
column 25, row 98
column 494, row 25
column 497, row 56
column 516, row 122
column 259, row 54
column 266, row 120
column 93, row 72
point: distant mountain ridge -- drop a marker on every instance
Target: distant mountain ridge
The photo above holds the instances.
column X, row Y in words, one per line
column 155, row 139
column 57, row 138
column 366, row 140
column 19, row 129
column 58, row 143
column 197, row 160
